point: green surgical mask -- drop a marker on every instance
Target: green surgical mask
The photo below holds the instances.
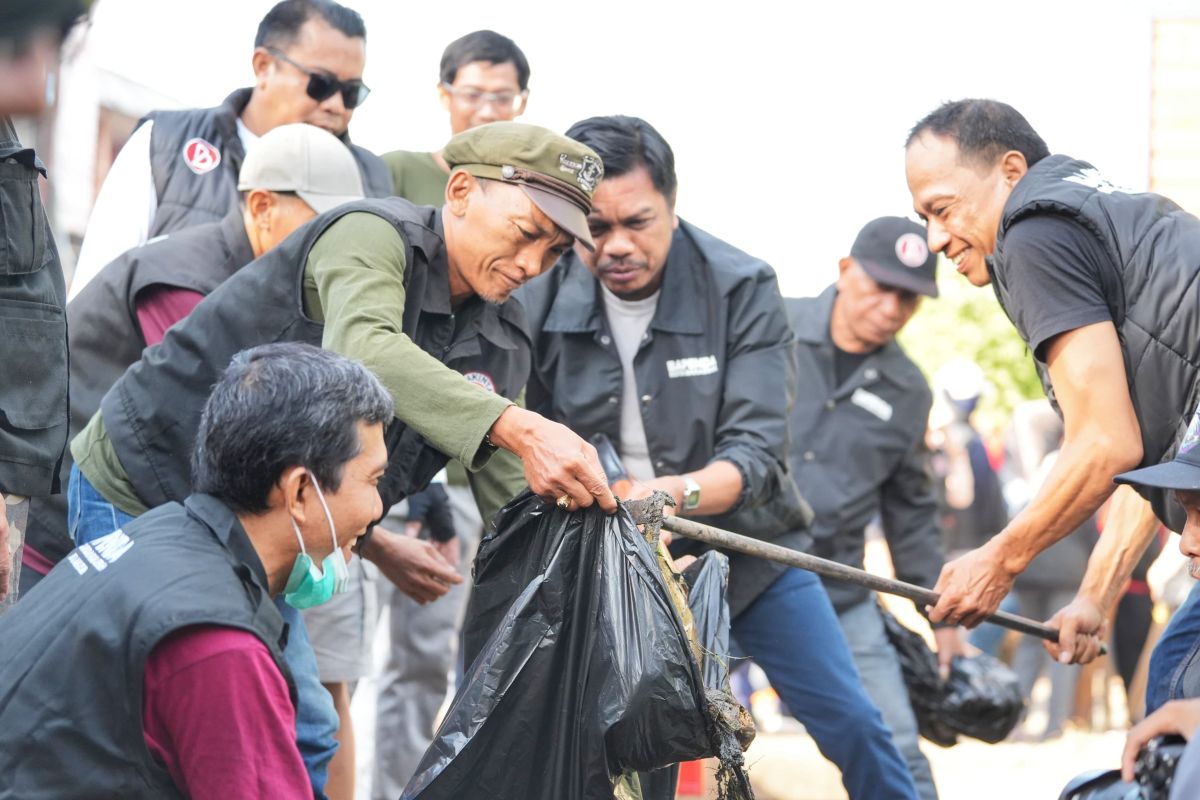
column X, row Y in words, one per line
column 306, row 585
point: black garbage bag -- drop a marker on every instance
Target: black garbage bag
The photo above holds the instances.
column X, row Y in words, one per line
column 581, row 671
column 981, row 699
column 919, row 666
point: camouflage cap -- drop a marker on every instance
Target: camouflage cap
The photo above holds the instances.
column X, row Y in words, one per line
column 558, row 174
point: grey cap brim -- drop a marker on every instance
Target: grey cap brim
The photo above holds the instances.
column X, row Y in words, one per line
column 901, row 280
column 321, row 203
column 1171, row 475
column 563, row 212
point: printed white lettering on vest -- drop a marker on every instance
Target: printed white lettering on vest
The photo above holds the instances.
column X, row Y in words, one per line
column 1093, row 178
column 77, row 562
column 113, row 546
column 93, row 559
column 872, row 403
column 691, row 367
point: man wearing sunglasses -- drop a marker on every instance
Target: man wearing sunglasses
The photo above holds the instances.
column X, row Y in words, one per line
column 180, row 168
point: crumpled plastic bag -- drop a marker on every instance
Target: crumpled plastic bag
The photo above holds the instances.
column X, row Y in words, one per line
column 581, row 670
column 981, row 699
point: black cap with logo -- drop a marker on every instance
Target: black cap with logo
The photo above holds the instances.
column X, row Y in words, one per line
column 894, row 252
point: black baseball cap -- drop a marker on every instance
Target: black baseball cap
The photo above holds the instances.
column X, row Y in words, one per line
column 1181, row 473
column 894, row 252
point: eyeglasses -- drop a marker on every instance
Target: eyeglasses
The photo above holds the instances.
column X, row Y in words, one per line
column 322, row 86
column 477, row 98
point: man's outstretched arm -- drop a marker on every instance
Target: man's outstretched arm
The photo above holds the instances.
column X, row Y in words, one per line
column 1102, row 439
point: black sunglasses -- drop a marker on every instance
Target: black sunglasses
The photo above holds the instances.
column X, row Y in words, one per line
column 322, row 86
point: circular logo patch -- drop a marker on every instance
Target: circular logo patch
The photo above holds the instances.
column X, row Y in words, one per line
column 912, row 250
column 482, row 380
column 201, row 156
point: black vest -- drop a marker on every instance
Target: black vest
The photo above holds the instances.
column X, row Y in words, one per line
column 33, row 336
column 105, row 337
column 264, row 303
column 72, row 668
column 187, row 197
column 1154, row 298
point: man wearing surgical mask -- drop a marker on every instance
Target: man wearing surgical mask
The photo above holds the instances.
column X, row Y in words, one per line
column 182, row 602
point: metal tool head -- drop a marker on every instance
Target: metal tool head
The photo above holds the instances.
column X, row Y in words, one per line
column 648, row 512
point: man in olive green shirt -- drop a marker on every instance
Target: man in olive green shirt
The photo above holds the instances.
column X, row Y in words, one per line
column 484, row 78
column 418, row 296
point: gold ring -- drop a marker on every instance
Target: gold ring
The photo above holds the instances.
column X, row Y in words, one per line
column 564, row 502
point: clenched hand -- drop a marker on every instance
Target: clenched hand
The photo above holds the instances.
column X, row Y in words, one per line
column 971, row 587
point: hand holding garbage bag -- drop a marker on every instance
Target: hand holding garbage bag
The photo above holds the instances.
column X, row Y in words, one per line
column 581, row 670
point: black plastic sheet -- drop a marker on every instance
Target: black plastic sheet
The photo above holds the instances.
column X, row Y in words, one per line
column 981, row 699
column 581, row 670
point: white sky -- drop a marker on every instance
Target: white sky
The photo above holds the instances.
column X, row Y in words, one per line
column 787, row 120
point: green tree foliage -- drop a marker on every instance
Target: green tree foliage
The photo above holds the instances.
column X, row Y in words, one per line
column 967, row 322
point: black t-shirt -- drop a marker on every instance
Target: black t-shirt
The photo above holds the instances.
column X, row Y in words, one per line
column 1052, row 282
column 844, row 363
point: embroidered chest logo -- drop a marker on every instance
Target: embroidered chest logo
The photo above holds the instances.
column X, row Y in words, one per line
column 482, row 380
column 201, row 156
column 872, row 403
column 101, row 552
column 691, row 367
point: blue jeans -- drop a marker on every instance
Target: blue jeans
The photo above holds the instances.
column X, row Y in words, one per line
column 91, row 516
column 792, row 633
column 879, row 667
column 1177, row 649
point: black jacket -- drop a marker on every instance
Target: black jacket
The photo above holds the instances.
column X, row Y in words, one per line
column 1154, row 299
column 859, row 450
column 105, row 337
column 720, row 306
column 189, row 197
column 33, row 329
column 75, row 649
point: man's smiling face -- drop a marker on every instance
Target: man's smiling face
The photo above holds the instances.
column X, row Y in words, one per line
column 961, row 200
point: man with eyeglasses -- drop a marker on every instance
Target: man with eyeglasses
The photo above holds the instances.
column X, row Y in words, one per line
column 484, row 78
column 180, row 168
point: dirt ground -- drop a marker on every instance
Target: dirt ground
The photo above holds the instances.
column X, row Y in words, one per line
column 787, row 766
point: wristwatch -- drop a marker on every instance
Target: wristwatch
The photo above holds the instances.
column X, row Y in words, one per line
column 691, row 493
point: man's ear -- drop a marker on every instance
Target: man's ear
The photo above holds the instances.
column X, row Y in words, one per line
column 443, row 97
column 1013, row 166
column 844, row 266
column 293, row 486
column 459, row 190
column 261, row 62
column 260, row 203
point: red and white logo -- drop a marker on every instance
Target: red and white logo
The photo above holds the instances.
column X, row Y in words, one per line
column 200, row 156
column 912, row 250
column 482, row 380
